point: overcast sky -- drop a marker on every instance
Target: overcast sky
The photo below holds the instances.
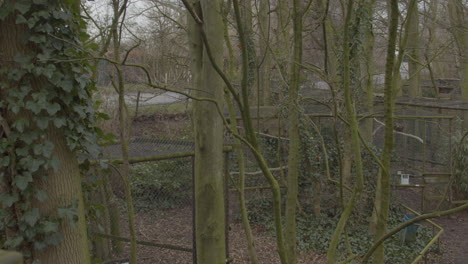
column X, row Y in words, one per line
column 136, row 20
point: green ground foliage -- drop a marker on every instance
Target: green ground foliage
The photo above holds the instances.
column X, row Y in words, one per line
column 460, row 164
column 162, row 184
column 314, row 233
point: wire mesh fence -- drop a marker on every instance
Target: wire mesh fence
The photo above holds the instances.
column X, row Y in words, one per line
column 161, row 182
column 162, row 178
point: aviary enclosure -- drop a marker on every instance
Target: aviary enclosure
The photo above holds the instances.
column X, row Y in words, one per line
column 162, row 172
column 233, row 131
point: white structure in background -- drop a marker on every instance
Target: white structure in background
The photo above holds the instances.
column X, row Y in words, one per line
column 321, row 85
column 152, row 99
column 404, row 70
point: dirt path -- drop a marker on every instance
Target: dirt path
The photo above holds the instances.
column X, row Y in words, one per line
column 454, row 239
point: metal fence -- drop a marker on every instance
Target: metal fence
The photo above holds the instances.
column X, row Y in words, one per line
column 161, row 180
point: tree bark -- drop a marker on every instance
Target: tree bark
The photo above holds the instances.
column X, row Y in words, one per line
column 264, row 63
column 355, row 142
column 367, row 74
column 294, row 137
column 124, row 128
column 414, row 51
column 63, row 186
column 240, row 154
column 208, row 126
column 458, row 23
column 389, row 104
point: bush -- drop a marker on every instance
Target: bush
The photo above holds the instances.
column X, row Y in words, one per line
column 162, row 184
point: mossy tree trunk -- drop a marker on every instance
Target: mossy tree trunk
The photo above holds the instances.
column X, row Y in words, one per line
column 294, row 137
column 383, row 186
column 124, row 126
column 355, row 142
column 414, row 51
column 264, row 55
column 457, row 14
column 252, row 141
column 208, row 126
column 240, row 154
column 367, row 69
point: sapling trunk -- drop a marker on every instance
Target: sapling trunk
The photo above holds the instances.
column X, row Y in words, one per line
column 124, row 133
column 382, row 207
column 239, row 153
column 356, row 148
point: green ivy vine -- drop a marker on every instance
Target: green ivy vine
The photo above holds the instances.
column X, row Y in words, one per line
column 63, row 102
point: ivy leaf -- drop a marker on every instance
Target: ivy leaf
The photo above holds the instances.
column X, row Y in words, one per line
column 53, row 109
column 49, row 70
column 55, row 163
column 69, row 213
column 54, row 239
column 16, row 74
column 35, row 164
column 59, row 122
column 38, row 39
column 82, row 80
column 23, row 6
column 46, row 28
column 66, row 85
column 39, row 245
column 42, row 122
column 43, row 13
column 8, row 200
column 4, row 161
column 24, row 151
column 20, row 20
column 22, row 181
column 20, row 124
column 47, row 149
column 40, row 195
column 14, row 242
column 32, row 22
column 5, row 10
column 49, row 226
column 28, row 136
column 23, row 59
column 31, row 216
column 33, row 106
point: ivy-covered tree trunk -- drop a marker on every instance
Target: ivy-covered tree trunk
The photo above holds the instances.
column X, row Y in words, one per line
column 208, row 126
column 63, row 188
column 47, row 191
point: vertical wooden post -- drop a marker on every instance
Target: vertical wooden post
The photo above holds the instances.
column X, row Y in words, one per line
column 194, row 235
column 137, row 104
column 226, row 200
column 424, row 146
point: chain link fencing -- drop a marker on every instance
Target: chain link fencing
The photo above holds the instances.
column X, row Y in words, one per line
column 161, row 182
